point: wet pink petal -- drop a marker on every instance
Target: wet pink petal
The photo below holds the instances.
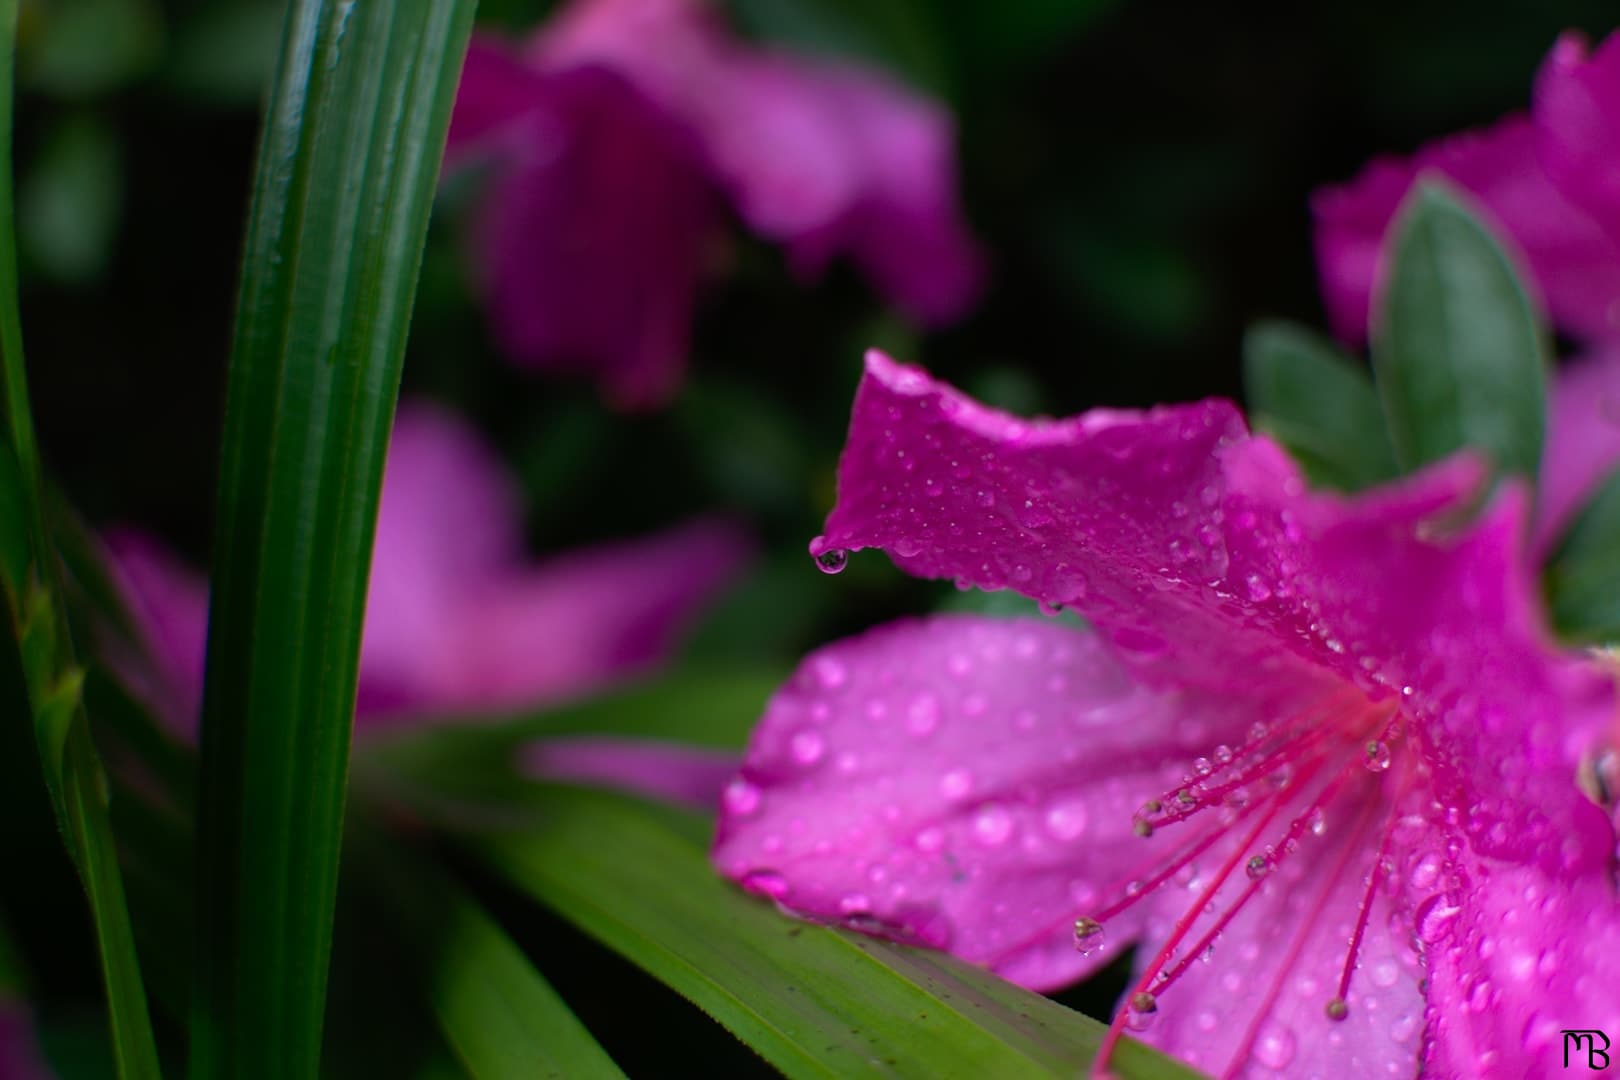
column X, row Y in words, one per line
column 497, row 90
column 1572, row 261
column 1516, row 957
column 961, row 782
column 1260, row 999
column 1577, row 113
column 456, row 621
column 20, row 1058
column 1195, row 549
column 1583, row 442
column 674, row 772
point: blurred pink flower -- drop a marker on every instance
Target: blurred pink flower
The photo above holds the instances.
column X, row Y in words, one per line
column 1323, row 742
column 621, row 129
column 1549, row 182
column 20, row 1058
column 456, row 620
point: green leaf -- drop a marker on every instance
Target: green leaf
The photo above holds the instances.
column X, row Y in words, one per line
column 69, row 205
column 499, row 1014
column 348, row 160
column 1458, row 353
column 812, row 1000
column 71, row 768
column 1319, row 403
column 1583, row 577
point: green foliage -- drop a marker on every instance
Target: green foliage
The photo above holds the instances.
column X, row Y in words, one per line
column 1319, row 403
column 1583, row 578
column 348, row 162
column 814, row 1001
column 1459, row 355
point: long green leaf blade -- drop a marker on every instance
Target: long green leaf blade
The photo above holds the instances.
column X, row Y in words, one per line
column 347, row 166
column 813, row 1001
column 1319, row 403
column 32, row 585
column 1459, row 355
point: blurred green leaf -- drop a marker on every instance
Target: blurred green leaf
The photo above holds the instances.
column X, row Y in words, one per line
column 812, row 1000
column 347, row 165
column 80, row 48
column 1583, row 576
column 70, row 766
column 226, row 53
column 1458, row 354
column 1319, row 403
column 499, row 1014
column 69, row 203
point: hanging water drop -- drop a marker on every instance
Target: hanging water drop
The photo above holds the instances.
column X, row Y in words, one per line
column 1377, row 756
column 832, row 561
column 1088, row 936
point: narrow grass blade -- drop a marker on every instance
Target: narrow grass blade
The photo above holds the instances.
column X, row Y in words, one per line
column 32, row 586
column 813, row 1001
column 348, row 162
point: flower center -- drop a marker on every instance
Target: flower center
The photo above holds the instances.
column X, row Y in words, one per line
column 1261, row 801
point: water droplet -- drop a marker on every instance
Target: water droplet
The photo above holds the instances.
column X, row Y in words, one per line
column 1434, row 916
column 741, row 797
column 922, row 716
column 1141, row 1010
column 956, row 783
column 993, row 824
column 1316, row 821
column 1066, row 820
column 1376, row 757
column 830, row 673
column 855, row 904
column 930, row 839
column 1426, row 871
column 807, row 747
column 765, row 883
column 832, row 561
column 1089, row 936
column 1258, row 590
column 1276, row 1046
column 1223, row 755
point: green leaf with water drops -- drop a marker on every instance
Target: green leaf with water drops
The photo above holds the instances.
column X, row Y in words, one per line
column 814, row 1001
column 1306, row 393
column 1458, row 352
column 1583, row 576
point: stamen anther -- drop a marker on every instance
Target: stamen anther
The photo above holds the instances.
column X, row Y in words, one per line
column 1336, row 1009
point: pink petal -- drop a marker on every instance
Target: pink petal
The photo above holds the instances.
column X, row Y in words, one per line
column 676, row 772
column 575, row 624
column 449, row 515
column 1514, row 957
column 1583, row 442
column 964, row 783
column 168, row 604
column 1572, row 262
column 1257, row 1006
column 1577, row 111
column 592, row 244
column 1195, row 550
column 20, row 1058
column 497, row 89
column 825, row 157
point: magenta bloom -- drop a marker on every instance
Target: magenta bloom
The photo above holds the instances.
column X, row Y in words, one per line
column 20, row 1058
column 621, row 131
column 456, row 619
column 1550, row 184
column 1324, row 742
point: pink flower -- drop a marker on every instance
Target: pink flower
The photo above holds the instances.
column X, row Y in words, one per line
column 20, row 1058
column 456, row 620
column 620, row 131
column 1549, row 183
column 1323, row 742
